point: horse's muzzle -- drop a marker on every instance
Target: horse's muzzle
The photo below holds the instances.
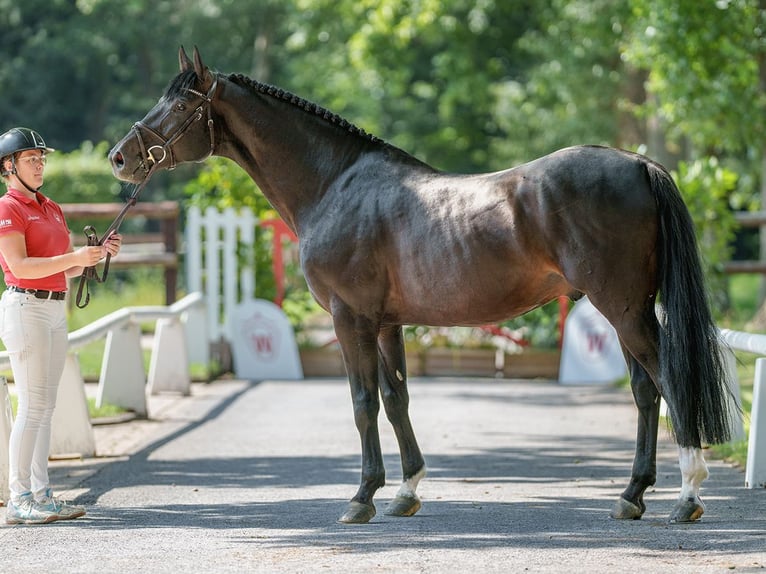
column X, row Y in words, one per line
column 120, row 169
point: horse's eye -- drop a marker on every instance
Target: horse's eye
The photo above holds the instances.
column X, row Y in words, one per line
column 180, row 107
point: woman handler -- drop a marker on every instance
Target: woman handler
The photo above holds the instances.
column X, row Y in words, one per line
column 36, row 256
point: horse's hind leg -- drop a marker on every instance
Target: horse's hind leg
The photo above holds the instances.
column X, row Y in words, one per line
column 689, row 506
column 631, row 505
column 393, row 387
column 636, row 334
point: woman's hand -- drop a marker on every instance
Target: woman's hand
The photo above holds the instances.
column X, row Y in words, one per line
column 89, row 255
column 113, row 244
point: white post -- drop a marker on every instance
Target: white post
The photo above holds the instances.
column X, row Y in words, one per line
column 212, row 270
column 169, row 366
column 123, row 379
column 71, row 431
column 247, row 279
column 193, row 259
column 755, row 471
column 230, row 248
column 194, row 321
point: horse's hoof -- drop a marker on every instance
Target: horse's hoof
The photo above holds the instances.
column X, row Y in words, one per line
column 687, row 510
column 358, row 513
column 403, row 506
column 625, row 510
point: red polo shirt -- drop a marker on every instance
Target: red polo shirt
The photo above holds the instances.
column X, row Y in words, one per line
column 45, row 233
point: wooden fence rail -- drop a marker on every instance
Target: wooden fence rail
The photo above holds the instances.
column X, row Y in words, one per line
column 139, row 249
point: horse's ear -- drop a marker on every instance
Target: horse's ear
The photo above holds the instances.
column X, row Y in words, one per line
column 184, row 63
column 199, row 67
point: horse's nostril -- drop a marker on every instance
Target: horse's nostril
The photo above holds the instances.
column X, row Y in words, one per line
column 117, row 159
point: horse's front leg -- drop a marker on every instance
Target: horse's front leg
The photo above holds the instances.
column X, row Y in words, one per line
column 631, row 505
column 358, row 340
column 396, row 400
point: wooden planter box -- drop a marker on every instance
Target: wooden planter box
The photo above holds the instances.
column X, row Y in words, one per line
column 322, row 362
column 328, row 362
column 439, row 361
column 532, row 364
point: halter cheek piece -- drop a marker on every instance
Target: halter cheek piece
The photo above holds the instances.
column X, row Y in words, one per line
column 165, row 148
column 150, row 164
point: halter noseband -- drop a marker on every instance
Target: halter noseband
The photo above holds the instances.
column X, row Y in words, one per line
column 165, row 147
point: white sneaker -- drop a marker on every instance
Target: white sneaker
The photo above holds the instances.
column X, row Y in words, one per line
column 27, row 511
column 63, row 510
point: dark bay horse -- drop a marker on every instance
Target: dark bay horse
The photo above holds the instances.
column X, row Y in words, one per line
column 386, row 240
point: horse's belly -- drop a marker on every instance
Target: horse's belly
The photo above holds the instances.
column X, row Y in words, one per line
column 472, row 297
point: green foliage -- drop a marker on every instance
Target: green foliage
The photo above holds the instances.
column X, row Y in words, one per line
column 706, row 187
column 466, row 85
column 124, row 288
column 424, row 75
column 82, row 176
column 703, row 62
column 577, row 87
column 223, row 184
column 539, row 327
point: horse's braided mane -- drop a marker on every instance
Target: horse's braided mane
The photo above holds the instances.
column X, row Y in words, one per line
column 310, row 107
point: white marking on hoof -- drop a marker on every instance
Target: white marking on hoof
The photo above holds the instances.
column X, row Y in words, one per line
column 693, row 472
column 409, row 486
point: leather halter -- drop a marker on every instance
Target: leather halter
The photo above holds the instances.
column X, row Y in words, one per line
column 166, row 147
column 150, row 165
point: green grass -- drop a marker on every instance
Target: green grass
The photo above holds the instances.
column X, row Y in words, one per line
column 143, row 289
column 736, row 452
column 744, row 290
column 744, row 294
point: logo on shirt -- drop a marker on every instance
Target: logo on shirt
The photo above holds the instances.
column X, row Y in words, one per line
column 5, row 222
column 33, row 217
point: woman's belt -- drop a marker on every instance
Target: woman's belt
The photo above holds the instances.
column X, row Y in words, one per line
column 41, row 293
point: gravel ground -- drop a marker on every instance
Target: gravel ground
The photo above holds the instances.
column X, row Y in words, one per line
column 251, row 477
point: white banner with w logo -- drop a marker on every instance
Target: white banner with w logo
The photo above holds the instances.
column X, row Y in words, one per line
column 591, row 353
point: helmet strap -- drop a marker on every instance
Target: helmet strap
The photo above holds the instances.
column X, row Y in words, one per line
column 29, row 187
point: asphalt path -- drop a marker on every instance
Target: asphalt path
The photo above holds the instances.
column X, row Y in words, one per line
column 252, row 477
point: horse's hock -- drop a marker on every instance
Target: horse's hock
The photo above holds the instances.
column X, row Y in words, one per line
column 144, row 248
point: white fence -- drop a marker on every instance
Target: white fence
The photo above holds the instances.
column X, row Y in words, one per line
column 755, row 470
column 123, row 381
column 220, row 262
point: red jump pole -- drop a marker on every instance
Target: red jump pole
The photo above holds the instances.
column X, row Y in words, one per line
column 280, row 230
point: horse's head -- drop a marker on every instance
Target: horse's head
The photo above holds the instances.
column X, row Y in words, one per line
column 178, row 129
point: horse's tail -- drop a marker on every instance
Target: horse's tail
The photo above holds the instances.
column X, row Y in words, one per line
column 692, row 375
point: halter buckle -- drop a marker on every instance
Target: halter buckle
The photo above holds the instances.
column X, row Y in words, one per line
column 150, row 157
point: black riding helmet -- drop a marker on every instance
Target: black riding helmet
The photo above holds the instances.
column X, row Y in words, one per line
column 16, row 140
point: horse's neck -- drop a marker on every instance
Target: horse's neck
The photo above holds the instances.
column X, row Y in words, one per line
column 292, row 155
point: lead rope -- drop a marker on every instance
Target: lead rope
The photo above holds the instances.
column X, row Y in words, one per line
column 90, row 273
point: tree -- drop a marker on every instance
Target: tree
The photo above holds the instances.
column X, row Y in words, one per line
column 422, row 74
column 707, row 71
